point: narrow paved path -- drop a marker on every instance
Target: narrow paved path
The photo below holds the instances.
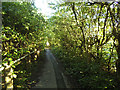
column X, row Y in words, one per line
column 52, row 76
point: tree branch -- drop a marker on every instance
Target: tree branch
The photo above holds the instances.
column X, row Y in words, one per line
column 105, row 24
column 73, row 9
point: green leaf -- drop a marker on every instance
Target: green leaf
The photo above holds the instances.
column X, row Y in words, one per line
column 10, row 59
column 15, row 75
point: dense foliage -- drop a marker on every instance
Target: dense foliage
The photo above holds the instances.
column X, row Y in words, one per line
column 85, row 36
column 22, row 33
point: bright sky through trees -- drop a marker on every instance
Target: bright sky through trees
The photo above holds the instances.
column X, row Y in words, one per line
column 83, row 36
column 44, row 7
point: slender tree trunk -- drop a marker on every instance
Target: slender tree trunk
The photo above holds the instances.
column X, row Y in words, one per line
column 118, row 61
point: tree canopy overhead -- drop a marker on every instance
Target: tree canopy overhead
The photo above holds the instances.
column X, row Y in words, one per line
column 87, row 32
column 84, row 36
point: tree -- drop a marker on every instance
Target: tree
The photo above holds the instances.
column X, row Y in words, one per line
column 89, row 30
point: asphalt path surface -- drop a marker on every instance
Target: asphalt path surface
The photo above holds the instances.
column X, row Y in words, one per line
column 52, row 75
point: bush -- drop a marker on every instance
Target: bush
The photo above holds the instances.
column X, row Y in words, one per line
column 86, row 74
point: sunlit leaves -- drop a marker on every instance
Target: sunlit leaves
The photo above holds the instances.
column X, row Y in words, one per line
column 21, row 32
column 90, row 39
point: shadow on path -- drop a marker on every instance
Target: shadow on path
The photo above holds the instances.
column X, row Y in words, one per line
column 47, row 78
column 58, row 73
column 51, row 74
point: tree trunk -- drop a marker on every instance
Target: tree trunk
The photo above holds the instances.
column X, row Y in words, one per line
column 118, row 63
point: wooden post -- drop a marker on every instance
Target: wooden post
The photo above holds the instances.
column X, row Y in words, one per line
column 8, row 78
